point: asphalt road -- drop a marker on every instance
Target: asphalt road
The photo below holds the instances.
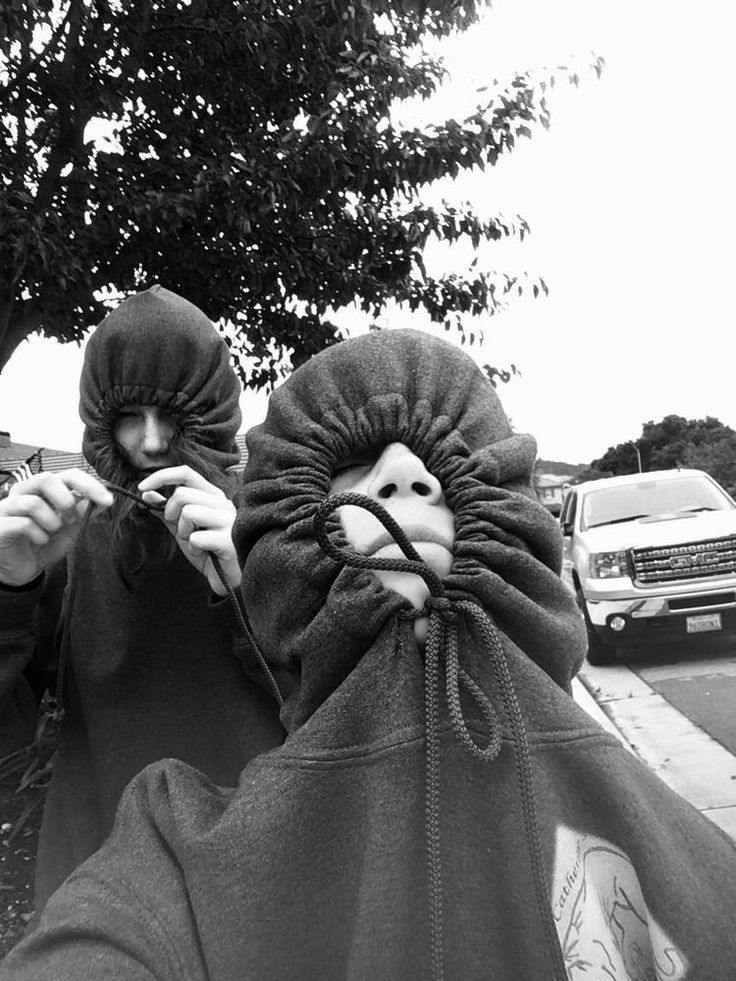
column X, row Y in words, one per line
column 699, row 680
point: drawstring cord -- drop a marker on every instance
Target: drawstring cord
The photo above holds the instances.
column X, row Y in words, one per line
column 413, row 561
column 442, row 645
column 36, row 759
column 235, row 599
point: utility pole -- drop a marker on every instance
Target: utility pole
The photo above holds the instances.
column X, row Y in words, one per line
column 638, row 454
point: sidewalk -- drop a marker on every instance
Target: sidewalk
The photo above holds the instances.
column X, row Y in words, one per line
column 688, row 760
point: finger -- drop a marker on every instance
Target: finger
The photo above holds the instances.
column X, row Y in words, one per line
column 185, row 496
column 216, row 544
column 194, row 516
column 84, row 485
column 91, row 489
column 38, row 510
column 62, row 490
column 155, row 499
column 18, row 527
column 176, row 477
column 212, row 540
column 48, row 486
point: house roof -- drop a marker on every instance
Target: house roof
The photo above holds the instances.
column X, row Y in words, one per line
column 12, row 455
column 10, row 449
column 552, row 480
column 15, row 451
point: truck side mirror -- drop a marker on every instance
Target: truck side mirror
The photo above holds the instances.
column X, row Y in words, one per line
column 566, row 528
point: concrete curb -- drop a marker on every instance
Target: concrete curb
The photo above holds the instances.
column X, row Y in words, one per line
column 686, row 758
column 586, row 701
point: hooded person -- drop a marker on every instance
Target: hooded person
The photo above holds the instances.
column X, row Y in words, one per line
column 441, row 807
column 153, row 662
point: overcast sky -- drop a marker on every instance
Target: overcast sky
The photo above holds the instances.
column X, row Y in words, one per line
column 630, row 197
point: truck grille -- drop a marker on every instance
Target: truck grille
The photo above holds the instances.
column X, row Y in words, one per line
column 698, row 560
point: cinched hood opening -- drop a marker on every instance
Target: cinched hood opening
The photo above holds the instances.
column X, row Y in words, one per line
column 158, row 349
column 316, row 619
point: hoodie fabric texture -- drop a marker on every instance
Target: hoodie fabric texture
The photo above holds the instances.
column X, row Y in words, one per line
column 155, row 669
column 450, row 813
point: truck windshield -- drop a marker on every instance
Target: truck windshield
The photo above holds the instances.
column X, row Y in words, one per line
column 651, row 498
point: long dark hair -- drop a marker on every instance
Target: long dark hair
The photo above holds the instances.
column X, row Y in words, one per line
column 138, row 537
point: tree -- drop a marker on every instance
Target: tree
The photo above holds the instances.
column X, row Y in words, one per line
column 252, row 165
column 704, row 444
column 718, row 458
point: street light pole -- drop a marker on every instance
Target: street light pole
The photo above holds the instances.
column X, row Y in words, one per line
column 638, row 454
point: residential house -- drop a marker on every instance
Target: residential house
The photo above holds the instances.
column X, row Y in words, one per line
column 550, row 488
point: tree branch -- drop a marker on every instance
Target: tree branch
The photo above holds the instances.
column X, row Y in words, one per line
column 15, row 330
column 26, row 69
column 71, row 124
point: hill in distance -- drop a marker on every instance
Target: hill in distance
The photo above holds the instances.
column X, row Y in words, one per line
column 561, row 469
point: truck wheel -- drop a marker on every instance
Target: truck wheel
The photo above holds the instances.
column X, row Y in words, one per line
column 598, row 652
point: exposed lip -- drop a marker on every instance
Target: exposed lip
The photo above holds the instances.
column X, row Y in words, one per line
column 414, row 533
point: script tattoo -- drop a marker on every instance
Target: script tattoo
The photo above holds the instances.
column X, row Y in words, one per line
column 604, row 926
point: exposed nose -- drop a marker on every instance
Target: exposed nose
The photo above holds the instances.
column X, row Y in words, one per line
column 399, row 473
column 156, row 434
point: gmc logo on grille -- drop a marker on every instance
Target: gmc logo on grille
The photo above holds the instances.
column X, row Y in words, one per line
column 694, row 559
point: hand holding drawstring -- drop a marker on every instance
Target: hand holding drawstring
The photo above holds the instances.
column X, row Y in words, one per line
column 200, row 517
column 40, row 521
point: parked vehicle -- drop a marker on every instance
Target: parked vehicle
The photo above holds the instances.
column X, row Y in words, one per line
column 653, row 558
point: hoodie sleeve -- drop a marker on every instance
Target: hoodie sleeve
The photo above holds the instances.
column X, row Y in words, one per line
column 124, row 914
column 90, row 928
column 28, row 623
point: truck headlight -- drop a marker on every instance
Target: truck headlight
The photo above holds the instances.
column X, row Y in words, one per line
column 608, row 565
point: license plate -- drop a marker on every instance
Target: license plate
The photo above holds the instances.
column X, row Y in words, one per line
column 702, row 622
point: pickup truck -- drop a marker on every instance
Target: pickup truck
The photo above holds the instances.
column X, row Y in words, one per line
column 653, row 558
